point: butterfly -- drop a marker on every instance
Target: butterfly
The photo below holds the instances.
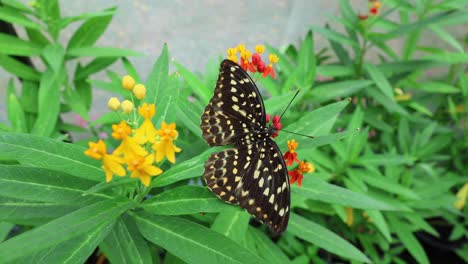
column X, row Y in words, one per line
column 252, row 172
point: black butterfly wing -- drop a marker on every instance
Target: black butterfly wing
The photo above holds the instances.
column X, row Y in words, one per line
column 264, row 189
column 235, row 109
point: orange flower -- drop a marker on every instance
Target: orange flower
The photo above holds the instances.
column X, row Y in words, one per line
column 128, row 146
column 291, row 156
column 142, row 167
column 297, row 174
column 110, row 163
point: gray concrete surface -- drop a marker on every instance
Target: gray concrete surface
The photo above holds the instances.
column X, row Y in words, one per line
column 195, row 31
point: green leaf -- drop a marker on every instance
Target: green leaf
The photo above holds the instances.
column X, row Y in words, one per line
column 80, row 222
column 389, row 104
column 324, row 140
column 305, row 70
column 379, row 221
column 167, row 98
column 324, row 238
column 12, row 16
column 232, row 224
column 333, row 90
column 31, row 213
column 16, row 114
column 284, row 64
column 384, row 160
column 398, row 67
column 380, row 80
column 125, row 244
column 318, row 122
column 36, row 184
column 49, row 102
column 317, row 189
column 405, row 234
column 50, row 154
column 194, row 82
column 330, row 70
column 54, row 54
column 335, row 36
column 76, row 250
column 449, row 57
column 158, row 78
column 184, row 200
column 447, row 37
column 437, row 87
column 265, row 248
column 16, row 5
column 5, row 229
column 90, row 31
column 94, row 66
column 19, row 69
column 101, row 52
column 185, row 170
column 15, row 46
column 192, row 242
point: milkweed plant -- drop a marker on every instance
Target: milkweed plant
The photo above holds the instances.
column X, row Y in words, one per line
column 375, row 143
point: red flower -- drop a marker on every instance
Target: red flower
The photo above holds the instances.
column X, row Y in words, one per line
column 295, row 177
column 362, row 17
column 374, row 10
column 291, row 156
column 269, row 71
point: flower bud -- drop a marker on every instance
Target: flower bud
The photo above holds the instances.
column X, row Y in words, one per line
column 128, row 82
column 113, row 104
column 127, row 106
column 139, row 91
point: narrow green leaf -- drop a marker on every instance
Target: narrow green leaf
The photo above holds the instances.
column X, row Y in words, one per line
column 166, row 100
column 232, row 224
column 50, row 154
column 125, row 244
column 54, row 54
column 5, row 229
column 90, row 31
column 449, row 57
column 36, row 184
column 447, row 37
column 324, row 238
column 15, row 46
column 184, row 200
column 32, row 213
column 335, row 36
column 317, row 123
column 398, row 67
column 101, row 52
column 194, row 82
column 380, row 80
column 80, row 222
column 385, row 160
column 182, row 238
column 49, row 102
column 185, row 170
column 283, row 64
column 14, row 17
column 437, row 87
column 15, row 111
column 317, row 189
column 158, row 78
column 19, row 69
column 76, row 250
column 266, row 249
column 340, row 89
column 94, row 66
column 379, row 221
column 330, row 70
column 405, row 234
column 324, row 140
column 389, row 104
column 17, row 5
column 305, row 70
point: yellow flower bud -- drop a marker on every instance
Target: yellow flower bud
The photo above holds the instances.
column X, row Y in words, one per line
column 127, row 106
column 273, row 58
column 128, row 82
column 260, row 49
column 139, row 91
column 113, row 104
column 231, row 52
column 240, row 48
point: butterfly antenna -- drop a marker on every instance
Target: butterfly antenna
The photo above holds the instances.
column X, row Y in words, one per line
column 290, row 103
column 294, row 133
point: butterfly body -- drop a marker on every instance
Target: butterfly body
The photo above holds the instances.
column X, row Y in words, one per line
column 252, row 173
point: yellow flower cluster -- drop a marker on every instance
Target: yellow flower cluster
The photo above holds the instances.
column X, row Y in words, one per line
column 139, row 147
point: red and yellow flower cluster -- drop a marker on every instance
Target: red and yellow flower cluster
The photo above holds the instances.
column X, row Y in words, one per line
column 140, row 147
column 290, row 157
column 374, row 7
column 253, row 62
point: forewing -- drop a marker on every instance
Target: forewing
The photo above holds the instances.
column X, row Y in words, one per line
column 235, row 109
column 264, row 190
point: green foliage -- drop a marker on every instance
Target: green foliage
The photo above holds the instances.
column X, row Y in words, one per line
column 389, row 148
